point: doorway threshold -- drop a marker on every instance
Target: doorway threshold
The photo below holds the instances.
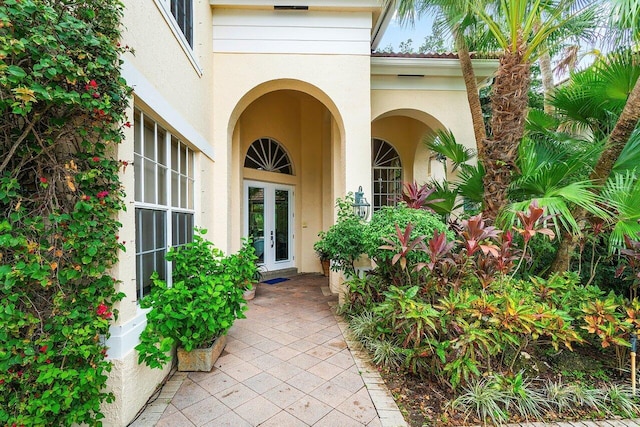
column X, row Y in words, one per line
column 285, row 272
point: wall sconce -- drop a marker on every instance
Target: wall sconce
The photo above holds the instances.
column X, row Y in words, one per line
column 360, row 204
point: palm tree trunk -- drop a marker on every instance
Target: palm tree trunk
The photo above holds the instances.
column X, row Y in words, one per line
column 547, row 80
column 509, row 106
column 473, row 96
column 619, row 137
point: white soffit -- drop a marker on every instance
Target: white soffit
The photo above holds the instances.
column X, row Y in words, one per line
column 410, row 73
column 312, row 4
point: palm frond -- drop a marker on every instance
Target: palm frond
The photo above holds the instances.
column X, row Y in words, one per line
column 469, row 184
column 444, row 143
column 622, row 193
column 629, row 159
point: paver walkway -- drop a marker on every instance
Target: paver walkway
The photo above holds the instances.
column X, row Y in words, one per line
column 286, row 364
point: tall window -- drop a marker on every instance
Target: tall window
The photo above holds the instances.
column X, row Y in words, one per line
column 386, row 172
column 182, row 11
column 164, row 178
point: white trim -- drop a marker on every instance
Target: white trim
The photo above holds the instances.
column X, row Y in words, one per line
column 443, row 67
column 417, row 83
column 177, row 32
column 143, row 89
column 269, row 220
column 381, row 25
column 315, row 4
column 123, row 338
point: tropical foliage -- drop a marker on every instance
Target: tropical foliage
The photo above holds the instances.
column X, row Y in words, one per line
column 62, row 105
column 203, row 301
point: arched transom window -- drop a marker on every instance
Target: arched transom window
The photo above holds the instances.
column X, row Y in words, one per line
column 386, row 172
column 269, row 155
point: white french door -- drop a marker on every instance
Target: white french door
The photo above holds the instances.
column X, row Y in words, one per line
column 268, row 221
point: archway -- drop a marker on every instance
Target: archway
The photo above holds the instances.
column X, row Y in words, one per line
column 284, row 207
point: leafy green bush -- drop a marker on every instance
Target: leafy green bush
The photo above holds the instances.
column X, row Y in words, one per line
column 383, row 225
column 202, row 304
column 62, row 105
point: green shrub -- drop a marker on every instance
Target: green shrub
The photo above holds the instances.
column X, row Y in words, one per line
column 62, row 112
column 202, row 304
column 383, row 226
column 344, row 243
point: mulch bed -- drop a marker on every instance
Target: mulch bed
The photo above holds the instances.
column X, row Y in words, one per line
column 425, row 403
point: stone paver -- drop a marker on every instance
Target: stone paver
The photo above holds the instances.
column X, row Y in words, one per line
column 289, row 363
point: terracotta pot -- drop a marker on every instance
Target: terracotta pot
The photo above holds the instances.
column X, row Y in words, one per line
column 201, row 359
column 249, row 293
column 326, row 264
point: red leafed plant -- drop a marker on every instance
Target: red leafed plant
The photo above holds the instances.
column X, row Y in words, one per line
column 532, row 224
column 417, row 196
column 477, row 235
column 404, row 245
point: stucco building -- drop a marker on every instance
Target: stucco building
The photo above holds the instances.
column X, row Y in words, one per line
column 251, row 118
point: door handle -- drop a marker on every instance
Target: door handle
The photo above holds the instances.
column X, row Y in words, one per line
column 272, row 242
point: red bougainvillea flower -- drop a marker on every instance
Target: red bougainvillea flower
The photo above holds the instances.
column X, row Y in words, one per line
column 43, row 348
column 96, row 159
column 102, row 194
column 95, row 95
column 91, row 85
column 128, row 124
column 43, row 180
column 103, row 311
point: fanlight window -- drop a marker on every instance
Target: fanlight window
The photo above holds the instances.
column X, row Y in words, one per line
column 268, row 155
column 387, row 174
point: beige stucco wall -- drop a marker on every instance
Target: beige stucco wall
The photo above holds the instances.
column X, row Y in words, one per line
column 406, row 135
column 342, row 107
column 437, row 109
column 174, row 88
column 165, row 62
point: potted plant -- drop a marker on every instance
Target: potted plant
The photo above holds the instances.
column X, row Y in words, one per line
column 322, row 250
column 242, row 267
column 196, row 311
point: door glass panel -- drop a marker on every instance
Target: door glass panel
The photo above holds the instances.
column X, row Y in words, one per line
column 282, row 225
column 256, row 220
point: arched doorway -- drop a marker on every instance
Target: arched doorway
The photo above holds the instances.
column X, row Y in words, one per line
column 269, row 207
column 286, row 146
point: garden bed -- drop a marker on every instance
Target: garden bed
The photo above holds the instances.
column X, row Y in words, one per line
column 424, row 402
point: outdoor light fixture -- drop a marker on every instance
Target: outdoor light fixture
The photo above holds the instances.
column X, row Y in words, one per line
column 360, row 204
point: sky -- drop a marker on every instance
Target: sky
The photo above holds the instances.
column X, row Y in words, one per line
column 397, row 33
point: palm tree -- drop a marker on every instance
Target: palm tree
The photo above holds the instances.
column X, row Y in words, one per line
column 521, row 28
column 458, row 19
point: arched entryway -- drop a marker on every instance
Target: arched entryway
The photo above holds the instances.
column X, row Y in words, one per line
column 404, row 130
column 286, row 147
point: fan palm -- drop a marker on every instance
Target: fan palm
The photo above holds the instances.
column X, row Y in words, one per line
column 621, row 193
column 551, row 175
column 444, row 143
column 614, row 106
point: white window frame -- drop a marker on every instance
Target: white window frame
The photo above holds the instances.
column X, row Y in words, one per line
column 386, row 169
column 168, row 209
column 165, row 8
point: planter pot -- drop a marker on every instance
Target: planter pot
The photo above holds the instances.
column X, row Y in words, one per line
column 201, row 359
column 249, row 293
column 325, row 266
